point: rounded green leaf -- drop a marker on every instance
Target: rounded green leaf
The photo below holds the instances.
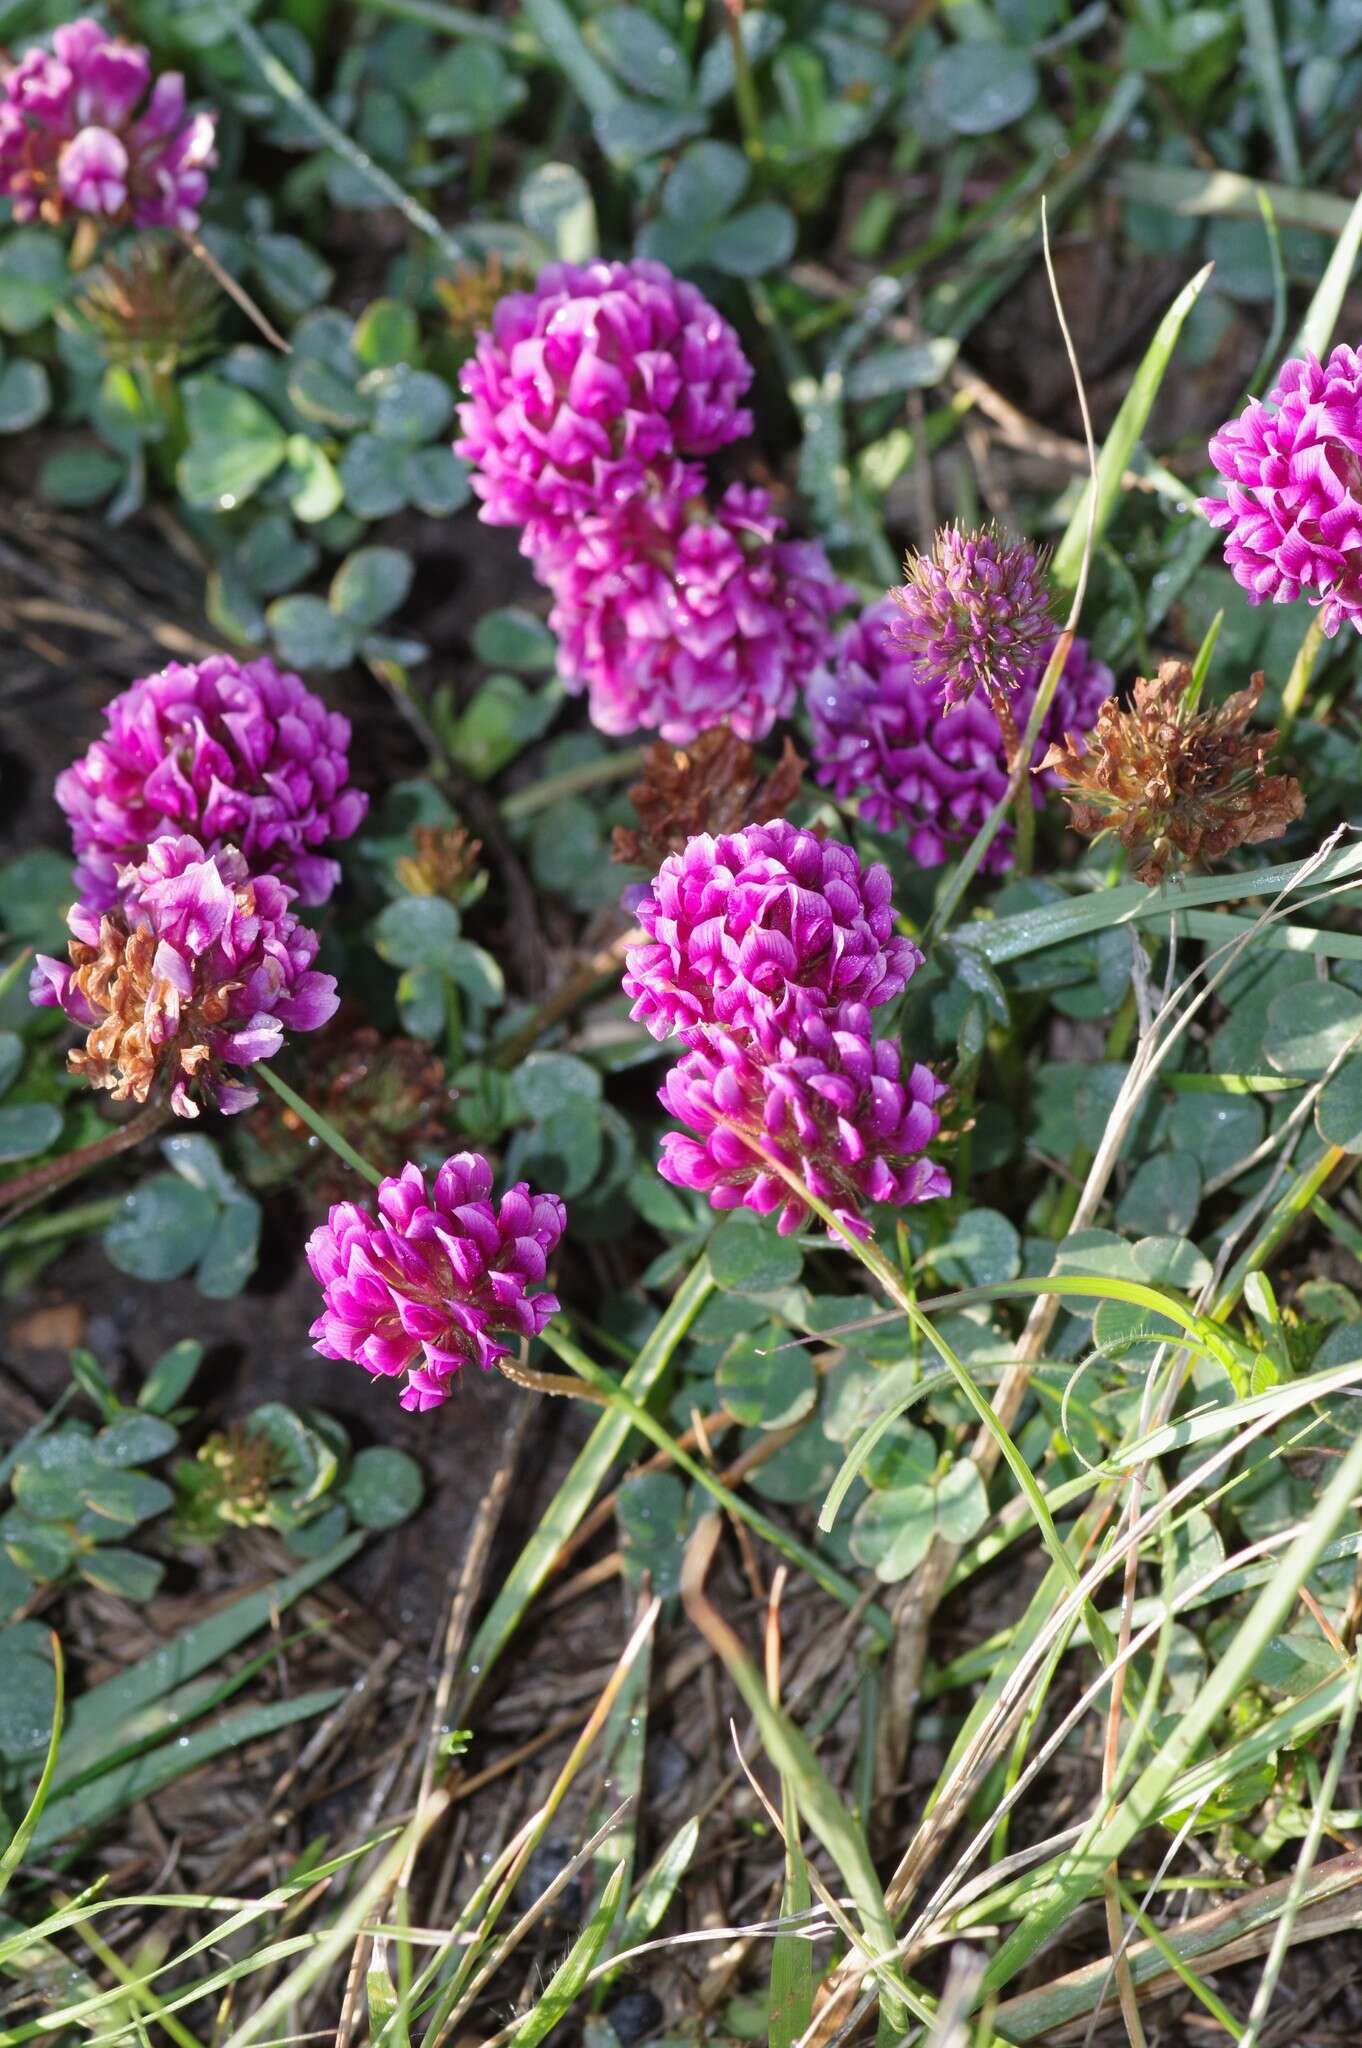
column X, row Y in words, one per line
column 387, row 332
column 892, row 1532
column 546, row 1082
column 410, row 406
column 162, row 1228
column 383, row 1488
column 79, row 476
column 1163, row 1197
column 124, row 1572
column 235, row 444
column 1310, row 1025
column 370, row 585
column 28, row 1690
column 556, row 204
column 651, row 1512
column 34, row 278
column 137, row 1439
column 979, row 87
column 514, row 638
column 436, row 481
column 983, row 1248
column 764, row 1386
column 418, row 931
column 747, row 1256
column 636, row 46
column 25, row 394
column 1338, row 1113
column 308, row 633
column 28, row 1128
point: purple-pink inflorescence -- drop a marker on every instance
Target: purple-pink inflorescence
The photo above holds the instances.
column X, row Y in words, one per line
column 882, row 734
column 588, row 382
column 202, row 968
column 975, row 615
column 236, row 753
column 676, row 617
column 1292, row 513
column 825, row 1099
column 83, row 128
column 763, row 926
column 437, row 1278
column 590, row 408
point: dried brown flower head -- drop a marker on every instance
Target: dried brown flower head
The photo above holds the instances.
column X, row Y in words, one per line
column 1175, row 785
column 155, row 308
column 445, row 864
column 470, row 296
column 713, row 785
column 384, row 1094
column 128, row 1046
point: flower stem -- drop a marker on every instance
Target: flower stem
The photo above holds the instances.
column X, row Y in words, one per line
column 20, row 1194
column 537, row 796
column 1298, row 682
column 744, row 85
column 561, row 1002
column 281, row 80
column 235, row 291
column 321, row 1126
column 983, row 839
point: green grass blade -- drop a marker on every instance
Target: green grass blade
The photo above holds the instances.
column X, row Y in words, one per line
column 790, row 2004
column 1119, row 448
column 1317, row 328
column 1031, row 931
column 98, row 1715
column 116, row 1790
column 571, row 1974
column 1265, row 56
column 579, row 1489
column 23, row 1834
column 556, row 27
column 822, row 1806
column 799, row 1554
column 658, row 1887
column 1106, row 1840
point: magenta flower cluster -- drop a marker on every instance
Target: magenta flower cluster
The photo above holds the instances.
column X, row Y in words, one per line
column 590, row 407
column 884, row 734
column 766, row 951
column 825, row 1099
column 84, row 128
column 437, row 1279
column 1292, row 510
column 217, row 960
column 199, row 817
column 237, row 753
column 589, row 381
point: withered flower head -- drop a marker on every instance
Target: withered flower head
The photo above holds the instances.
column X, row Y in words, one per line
column 445, row 864
column 713, row 785
column 1175, row 786
column 200, row 972
column 383, row 1094
column 155, row 309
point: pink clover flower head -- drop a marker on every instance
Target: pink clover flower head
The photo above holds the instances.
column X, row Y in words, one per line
column 236, row 753
column 824, row 1099
column 675, row 617
column 437, row 1279
column 975, row 614
column 201, row 968
column 71, row 138
column 1292, row 510
column 584, row 383
column 761, row 927
column 882, row 735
